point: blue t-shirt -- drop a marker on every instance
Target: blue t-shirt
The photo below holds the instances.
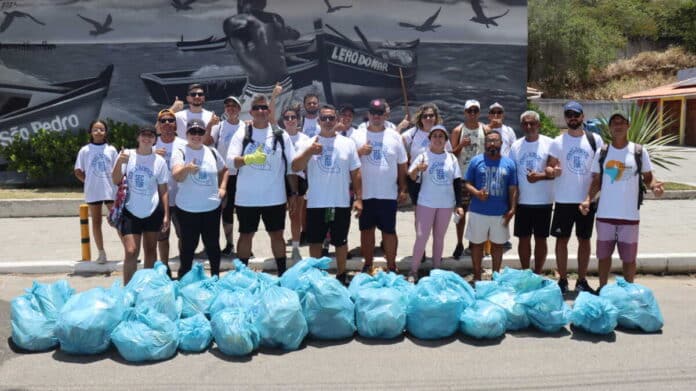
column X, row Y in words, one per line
column 496, row 176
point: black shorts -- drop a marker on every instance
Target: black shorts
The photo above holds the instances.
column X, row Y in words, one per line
column 533, row 220
column 379, row 213
column 228, row 206
column 174, row 222
column 132, row 225
column 301, row 186
column 102, row 202
column 249, row 216
column 565, row 215
column 318, row 225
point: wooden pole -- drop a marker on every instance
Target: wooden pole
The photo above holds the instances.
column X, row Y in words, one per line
column 404, row 92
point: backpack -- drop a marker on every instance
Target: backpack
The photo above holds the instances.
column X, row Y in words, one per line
column 115, row 216
column 277, row 139
column 638, row 157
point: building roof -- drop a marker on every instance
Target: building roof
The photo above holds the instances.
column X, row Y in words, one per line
column 681, row 88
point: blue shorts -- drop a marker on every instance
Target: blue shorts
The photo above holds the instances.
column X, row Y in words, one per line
column 379, row 213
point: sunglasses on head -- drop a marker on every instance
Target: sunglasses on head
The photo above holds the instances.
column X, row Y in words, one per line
column 327, row 118
column 289, row 117
column 377, row 112
column 196, row 131
column 195, row 94
column 572, row 114
column 259, row 107
column 167, row 120
column 472, row 111
column 428, row 116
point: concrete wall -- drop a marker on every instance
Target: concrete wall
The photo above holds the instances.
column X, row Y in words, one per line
column 592, row 108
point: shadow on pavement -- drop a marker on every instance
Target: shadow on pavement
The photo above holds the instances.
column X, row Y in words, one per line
column 379, row 341
column 534, row 333
column 432, row 343
column 111, row 353
column 222, row 356
column 481, row 343
column 323, row 343
column 582, row 335
column 10, row 350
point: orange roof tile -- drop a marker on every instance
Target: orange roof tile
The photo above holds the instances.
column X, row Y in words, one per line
column 672, row 89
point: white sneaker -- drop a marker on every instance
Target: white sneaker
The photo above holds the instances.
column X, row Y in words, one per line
column 296, row 256
column 101, row 259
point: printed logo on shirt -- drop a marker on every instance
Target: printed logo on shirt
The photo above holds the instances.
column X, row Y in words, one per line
column 494, row 179
column 530, row 161
column 377, row 158
column 615, row 170
column 251, row 148
column 326, row 161
column 437, row 174
column 138, row 179
column 577, row 160
column 201, row 177
column 100, row 166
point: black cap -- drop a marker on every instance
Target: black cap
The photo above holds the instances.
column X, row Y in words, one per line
column 378, row 105
column 195, row 124
column 346, row 107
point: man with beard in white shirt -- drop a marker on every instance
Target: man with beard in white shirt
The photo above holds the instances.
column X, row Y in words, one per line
column 195, row 97
column 263, row 155
column 535, row 191
column 571, row 156
column 310, row 123
column 383, row 169
column 332, row 165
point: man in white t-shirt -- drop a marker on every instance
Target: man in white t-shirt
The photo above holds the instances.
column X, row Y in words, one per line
column 496, row 116
column 220, row 138
column 383, row 169
column 535, row 191
column 617, row 170
column 332, row 165
column 571, row 157
column 263, row 155
column 195, row 97
column 310, row 120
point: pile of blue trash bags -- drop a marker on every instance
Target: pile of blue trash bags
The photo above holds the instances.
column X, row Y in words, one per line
column 153, row 317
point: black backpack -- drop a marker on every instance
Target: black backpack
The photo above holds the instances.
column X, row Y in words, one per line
column 638, row 157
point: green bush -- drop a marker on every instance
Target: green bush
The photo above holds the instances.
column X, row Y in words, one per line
column 48, row 157
column 546, row 127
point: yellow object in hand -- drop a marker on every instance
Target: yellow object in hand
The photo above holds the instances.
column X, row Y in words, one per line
column 257, row 157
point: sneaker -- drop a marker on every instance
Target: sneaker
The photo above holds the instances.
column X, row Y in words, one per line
column 296, row 256
column 227, row 251
column 101, row 259
column 563, row 284
column 412, row 278
column 458, row 251
column 367, row 268
column 583, row 286
column 342, row 278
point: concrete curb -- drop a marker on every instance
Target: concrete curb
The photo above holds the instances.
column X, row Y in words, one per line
column 668, row 263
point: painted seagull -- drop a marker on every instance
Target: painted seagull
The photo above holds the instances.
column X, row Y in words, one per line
column 182, row 5
column 481, row 17
column 331, row 9
column 10, row 17
column 427, row 25
column 99, row 28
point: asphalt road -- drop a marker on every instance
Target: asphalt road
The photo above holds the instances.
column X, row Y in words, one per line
column 569, row 360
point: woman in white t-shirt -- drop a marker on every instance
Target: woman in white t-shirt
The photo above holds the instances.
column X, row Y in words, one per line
column 439, row 195
column 93, row 168
column 202, row 177
column 290, row 122
column 146, row 212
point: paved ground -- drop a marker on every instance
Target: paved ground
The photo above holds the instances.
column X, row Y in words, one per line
column 569, row 360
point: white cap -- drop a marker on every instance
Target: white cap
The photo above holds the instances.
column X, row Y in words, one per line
column 495, row 105
column 471, row 103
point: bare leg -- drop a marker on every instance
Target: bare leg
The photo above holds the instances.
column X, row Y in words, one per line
column 497, row 256
column 460, row 230
column 244, row 245
column 562, row 257
column 629, row 271
column 150, row 249
column 163, row 249
column 367, row 245
column 228, row 229
column 476, row 258
column 583, row 257
column 524, row 249
column 604, row 268
column 131, row 248
column 315, row 250
column 296, row 219
column 277, row 244
column 390, row 243
column 96, row 212
column 341, row 257
column 540, row 251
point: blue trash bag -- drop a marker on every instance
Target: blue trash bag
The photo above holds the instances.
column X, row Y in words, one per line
column 296, row 277
column 145, row 335
column 362, row 281
column 196, row 274
column 87, row 320
column 162, row 296
column 594, row 314
column 33, row 315
column 227, row 299
column 436, row 304
column 328, row 309
column 545, row 307
column 504, row 297
column 198, row 296
column 381, row 302
column 243, row 278
column 235, row 332
column 195, row 333
column 520, row 280
column 279, row 319
column 636, row 303
column 482, row 320
column 143, row 278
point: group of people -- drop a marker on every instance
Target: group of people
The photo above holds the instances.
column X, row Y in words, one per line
column 194, row 169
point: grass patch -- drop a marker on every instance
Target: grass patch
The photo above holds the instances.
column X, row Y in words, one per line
column 51, row 192
column 678, row 186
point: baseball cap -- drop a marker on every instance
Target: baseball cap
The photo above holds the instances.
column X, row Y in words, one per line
column 346, row 107
column 232, row 99
column 378, row 105
column 147, row 129
column 471, row 103
column 165, row 112
column 440, row 128
column 496, row 105
column 573, row 106
column 195, row 123
column 619, row 114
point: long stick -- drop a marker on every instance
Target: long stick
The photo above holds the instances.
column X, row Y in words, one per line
column 403, row 90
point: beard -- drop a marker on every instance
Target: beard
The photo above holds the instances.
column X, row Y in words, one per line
column 492, row 151
column 574, row 124
column 311, row 112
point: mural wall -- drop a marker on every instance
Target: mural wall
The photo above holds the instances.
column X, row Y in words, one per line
column 65, row 62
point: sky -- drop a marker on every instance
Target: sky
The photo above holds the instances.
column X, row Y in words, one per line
column 158, row 21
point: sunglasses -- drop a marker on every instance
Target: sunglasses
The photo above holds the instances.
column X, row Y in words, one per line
column 289, row 117
column 376, row 112
column 572, row 114
column 496, row 112
column 259, row 107
column 196, row 132
column 526, row 123
column 428, row 116
column 195, row 94
column 327, row 118
column 167, row 120
column 472, row 111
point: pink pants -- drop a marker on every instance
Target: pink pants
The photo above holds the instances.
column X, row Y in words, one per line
column 427, row 219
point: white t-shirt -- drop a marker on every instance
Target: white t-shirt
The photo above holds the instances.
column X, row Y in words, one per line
column 436, row 181
column 508, row 136
column 297, row 139
column 310, row 126
column 144, row 173
column 619, row 197
column 183, row 116
column 417, row 142
column 532, row 156
column 575, row 156
column 379, row 169
column 222, row 136
column 97, row 162
column 199, row 191
column 476, row 137
column 349, row 132
column 172, row 185
column 328, row 174
column 261, row 184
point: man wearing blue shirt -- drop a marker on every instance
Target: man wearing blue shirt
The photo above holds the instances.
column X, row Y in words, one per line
column 492, row 181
